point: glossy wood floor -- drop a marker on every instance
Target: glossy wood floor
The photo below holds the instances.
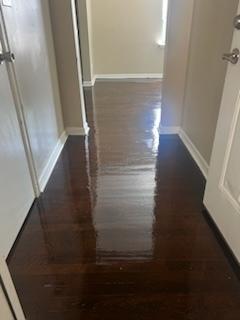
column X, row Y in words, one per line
column 120, row 231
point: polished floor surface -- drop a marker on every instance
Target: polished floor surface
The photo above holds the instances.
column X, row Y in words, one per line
column 120, row 232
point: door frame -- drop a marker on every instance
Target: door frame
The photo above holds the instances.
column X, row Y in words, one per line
column 10, row 291
column 79, row 64
column 19, row 106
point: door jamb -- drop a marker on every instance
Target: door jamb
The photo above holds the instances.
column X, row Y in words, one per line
column 19, row 107
column 10, row 291
column 79, row 64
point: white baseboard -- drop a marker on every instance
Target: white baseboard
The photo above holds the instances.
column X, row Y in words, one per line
column 198, row 158
column 169, row 130
column 87, row 84
column 47, row 171
column 129, row 76
column 77, row 131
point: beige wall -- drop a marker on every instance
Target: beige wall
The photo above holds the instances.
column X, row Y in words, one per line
column 211, row 37
column 63, row 35
column 124, row 36
column 52, row 65
column 175, row 69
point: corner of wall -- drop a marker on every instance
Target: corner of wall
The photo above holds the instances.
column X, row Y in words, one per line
column 176, row 61
column 194, row 152
column 53, row 65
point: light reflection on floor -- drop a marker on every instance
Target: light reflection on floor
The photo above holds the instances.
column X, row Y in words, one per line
column 124, row 210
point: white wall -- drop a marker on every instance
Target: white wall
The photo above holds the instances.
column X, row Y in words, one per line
column 124, row 36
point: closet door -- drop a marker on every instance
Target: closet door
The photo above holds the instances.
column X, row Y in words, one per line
column 16, row 189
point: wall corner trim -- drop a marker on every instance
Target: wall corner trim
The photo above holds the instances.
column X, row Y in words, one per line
column 47, row 171
column 77, row 131
column 168, row 130
column 196, row 155
column 91, row 83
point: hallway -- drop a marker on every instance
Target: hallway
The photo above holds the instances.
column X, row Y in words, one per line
column 120, row 231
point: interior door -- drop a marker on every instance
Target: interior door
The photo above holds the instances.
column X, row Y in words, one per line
column 16, row 189
column 222, row 195
column 27, row 34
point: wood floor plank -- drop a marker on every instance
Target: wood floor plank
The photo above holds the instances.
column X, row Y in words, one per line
column 120, row 231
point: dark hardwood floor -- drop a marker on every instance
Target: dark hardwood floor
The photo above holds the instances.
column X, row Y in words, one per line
column 119, row 232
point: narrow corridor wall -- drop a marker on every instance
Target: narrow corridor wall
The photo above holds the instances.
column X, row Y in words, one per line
column 64, row 42
column 176, row 61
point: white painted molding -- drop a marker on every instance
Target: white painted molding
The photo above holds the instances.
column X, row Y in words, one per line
column 129, row 76
column 196, row 155
column 169, row 130
column 77, row 131
column 47, row 171
column 87, row 84
column 10, row 289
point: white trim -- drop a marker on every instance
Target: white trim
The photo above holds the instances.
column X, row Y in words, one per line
column 77, row 131
column 47, row 171
column 91, row 83
column 129, row 76
column 79, row 64
column 11, row 291
column 114, row 76
column 169, row 130
column 196, row 155
column 7, row 3
column 230, row 140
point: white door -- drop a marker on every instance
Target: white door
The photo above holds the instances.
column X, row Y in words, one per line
column 16, row 189
column 28, row 34
column 222, row 195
